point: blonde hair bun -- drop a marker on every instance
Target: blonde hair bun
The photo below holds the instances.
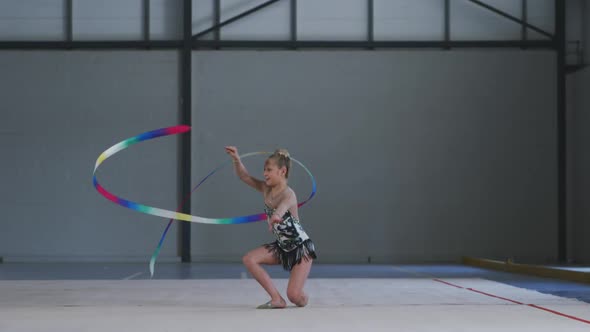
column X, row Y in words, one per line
column 283, row 152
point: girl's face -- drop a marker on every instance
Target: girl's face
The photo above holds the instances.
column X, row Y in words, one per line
column 273, row 175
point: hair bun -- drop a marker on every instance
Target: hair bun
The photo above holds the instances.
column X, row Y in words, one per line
column 283, row 152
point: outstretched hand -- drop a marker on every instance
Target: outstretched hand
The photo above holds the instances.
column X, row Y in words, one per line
column 233, row 152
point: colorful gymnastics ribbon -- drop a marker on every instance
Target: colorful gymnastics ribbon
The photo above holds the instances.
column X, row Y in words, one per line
column 172, row 214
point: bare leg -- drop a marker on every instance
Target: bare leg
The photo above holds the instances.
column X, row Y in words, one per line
column 253, row 260
column 297, row 280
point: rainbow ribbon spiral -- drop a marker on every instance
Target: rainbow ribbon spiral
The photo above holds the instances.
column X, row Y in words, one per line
column 175, row 215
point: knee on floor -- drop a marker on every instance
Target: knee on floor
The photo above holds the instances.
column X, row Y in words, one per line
column 295, row 296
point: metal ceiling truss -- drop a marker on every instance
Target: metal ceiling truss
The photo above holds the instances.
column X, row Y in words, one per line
column 293, row 42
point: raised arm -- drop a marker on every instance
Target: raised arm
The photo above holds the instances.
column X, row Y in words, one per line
column 241, row 170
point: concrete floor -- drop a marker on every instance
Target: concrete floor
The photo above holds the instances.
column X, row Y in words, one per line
column 222, row 297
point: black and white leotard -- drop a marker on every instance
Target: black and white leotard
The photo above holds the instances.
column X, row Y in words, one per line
column 292, row 244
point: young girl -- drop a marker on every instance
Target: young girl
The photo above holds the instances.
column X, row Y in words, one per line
column 293, row 248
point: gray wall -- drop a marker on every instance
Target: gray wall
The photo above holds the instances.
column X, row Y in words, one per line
column 579, row 145
column 579, row 94
column 577, row 13
column 419, row 156
column 59, row 111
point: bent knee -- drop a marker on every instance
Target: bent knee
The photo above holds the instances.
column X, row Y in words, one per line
column 249, row 260
column 246, row 259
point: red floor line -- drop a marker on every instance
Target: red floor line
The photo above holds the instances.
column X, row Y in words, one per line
column 448, row 283
column 560, row 314
column 516, row 302
column 492, row 295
